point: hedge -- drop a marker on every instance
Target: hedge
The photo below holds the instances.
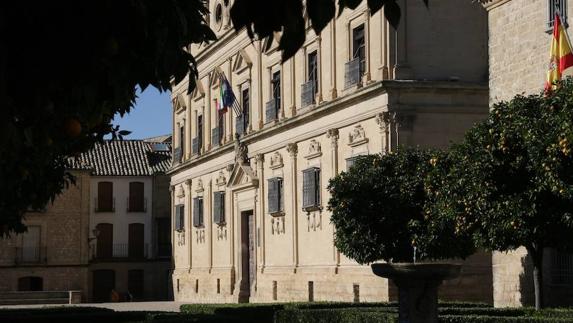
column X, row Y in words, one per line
column 346, row 315
column 499, row 319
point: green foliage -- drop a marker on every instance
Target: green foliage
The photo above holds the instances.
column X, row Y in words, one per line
column 378, row 210
column 66, row 70
column 344, row 315
column 286, row 17
column 510, row 183
column 497, row 319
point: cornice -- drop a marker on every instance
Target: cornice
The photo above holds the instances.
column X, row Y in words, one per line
column 490, row 4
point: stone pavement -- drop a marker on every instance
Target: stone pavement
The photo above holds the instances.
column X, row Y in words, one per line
column 120, row 307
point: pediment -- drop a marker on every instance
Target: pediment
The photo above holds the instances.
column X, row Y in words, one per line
column 214, row 77
column 242, row 62
column 179, row 102
column 271, row 43
column 242, row 176
column 198, row 92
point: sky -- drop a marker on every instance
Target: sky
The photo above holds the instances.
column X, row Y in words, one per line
column 150, row 117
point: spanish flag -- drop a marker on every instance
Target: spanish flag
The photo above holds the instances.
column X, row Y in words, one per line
column 561, row 57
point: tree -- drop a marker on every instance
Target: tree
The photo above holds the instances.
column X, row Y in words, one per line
column 66, row 68
column 378, row 210
column 510, row 183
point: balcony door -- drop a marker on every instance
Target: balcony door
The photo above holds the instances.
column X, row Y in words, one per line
column 105, row 240
column 31, row 251
column 136, row 240
column 136, row 197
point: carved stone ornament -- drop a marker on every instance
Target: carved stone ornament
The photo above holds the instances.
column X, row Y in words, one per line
column 221, row 180
column 278, row 225
column 357, row 136
column 292, row 149
column 241, row 151
column 222, row 232
column 181, row 238
column 314, row 150
column 199, row 186
column 276, row 160
column 180, row 191
column 200, row 235
column 314, row 221
column 383, row 120
column 333, row 135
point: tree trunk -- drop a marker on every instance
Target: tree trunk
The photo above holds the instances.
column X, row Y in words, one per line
column 537, row 257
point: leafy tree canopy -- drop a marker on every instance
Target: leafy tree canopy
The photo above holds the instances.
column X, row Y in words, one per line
column 378, row 210
column 67, row 67
column 510, row 183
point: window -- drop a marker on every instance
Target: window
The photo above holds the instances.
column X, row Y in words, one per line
column 311, row 188
column 219, row 207
column 561, row 268
column 30, row 283
column 136, row 238
column 557, row 6
column 245, row 98
column 275, row 195
column 104, row 247
column 218, row 132
column 359, row 48
column 180, row 217
column 313, row 70
column 198, row 212
column 31, row 251
column 136, row 200
column 276, row 89
column 182, row 140
column 105, row 202
column 200, row 132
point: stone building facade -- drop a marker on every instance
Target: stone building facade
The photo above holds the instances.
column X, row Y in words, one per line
column 249, row 193
column 130, row 249
column 53, row 255
column 519, row 43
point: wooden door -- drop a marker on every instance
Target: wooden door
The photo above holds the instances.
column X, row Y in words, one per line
column 136, row 240
column 135, row 283
column 105, row 240
column 103, row 284
column 248, row 266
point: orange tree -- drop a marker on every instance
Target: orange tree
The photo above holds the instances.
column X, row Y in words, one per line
column 67, row 67
column 378, row 210
column 510, row 182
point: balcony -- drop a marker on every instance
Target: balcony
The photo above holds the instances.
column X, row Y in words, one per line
column 104, row 205
column 31, row 255
column 196, row 145
column 308, row 93
column 135, row 204
column 215, row 138
column 177, row 155
column 271, row 110
column 240, row 124
column 120, row 251
column 352, row 73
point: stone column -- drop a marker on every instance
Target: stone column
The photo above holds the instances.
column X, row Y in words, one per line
column 402, row 69
column 260, row 84
column 207, row 202
column 333, row 89
column 319, row 54
column 292, row 149
column 260, row 159
column 172, row 194
column 383, row 121
column 334, row 135
column 384, row 44
column 188, row 220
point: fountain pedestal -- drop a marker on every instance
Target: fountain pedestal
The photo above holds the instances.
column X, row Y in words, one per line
column 417, row 288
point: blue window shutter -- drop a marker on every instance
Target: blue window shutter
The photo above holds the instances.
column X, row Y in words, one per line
column 308, row 188
column 272, row 195
column 177, row 218
column 196, row 222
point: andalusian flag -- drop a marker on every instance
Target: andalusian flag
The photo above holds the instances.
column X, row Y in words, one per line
column 561, row 57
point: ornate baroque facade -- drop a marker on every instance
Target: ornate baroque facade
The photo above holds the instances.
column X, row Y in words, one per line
column 249, row 210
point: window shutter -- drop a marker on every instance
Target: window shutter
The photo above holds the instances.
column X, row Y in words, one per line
column 308, row 188
column 215, row 137
column 316, row 186
column 201, row 222
column 280, row 194
column 196, row 222
column 177, row 218
column 273, row 195
column 219, row 207
column 195, row 146
column 239, row 125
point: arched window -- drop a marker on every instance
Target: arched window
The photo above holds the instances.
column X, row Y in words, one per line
column 30, row 283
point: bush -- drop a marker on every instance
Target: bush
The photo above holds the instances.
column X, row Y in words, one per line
column 498, row 319
column 344, row 315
